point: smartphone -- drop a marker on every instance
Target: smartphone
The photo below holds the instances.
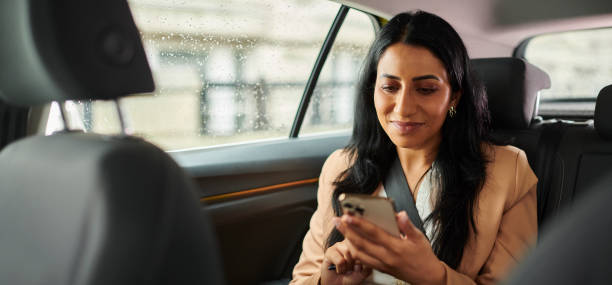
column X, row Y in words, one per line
column 377, row 210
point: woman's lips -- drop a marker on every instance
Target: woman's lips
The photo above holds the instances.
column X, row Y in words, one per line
column 406, row 127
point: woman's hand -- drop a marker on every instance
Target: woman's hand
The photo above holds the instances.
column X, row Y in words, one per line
column 409, row 258
column 348, row 271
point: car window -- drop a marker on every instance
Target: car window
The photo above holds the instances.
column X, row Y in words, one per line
column 225, row 71
column 579, row 64
column 331, row 106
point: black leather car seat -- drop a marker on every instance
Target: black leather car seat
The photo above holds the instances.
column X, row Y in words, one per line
column 576, row 248
column 513, row 87
column 585, row 153
column 79, row 208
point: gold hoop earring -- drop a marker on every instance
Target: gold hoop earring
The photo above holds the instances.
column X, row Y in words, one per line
column 452, row 112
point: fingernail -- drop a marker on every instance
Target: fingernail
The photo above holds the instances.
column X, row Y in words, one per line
column 349, row 219
column 336, row 222
column 404, row 218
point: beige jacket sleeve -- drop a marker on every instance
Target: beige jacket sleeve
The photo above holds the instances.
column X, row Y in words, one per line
column 517, row 230
column 308, row 268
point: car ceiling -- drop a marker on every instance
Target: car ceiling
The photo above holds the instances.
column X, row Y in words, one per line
column 493, row 28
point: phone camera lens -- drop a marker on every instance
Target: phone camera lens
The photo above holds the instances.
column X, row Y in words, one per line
column 359, row 210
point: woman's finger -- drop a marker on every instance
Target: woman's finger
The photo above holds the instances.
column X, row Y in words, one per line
column 404, row 222
column 367, row 229
column 361, row 243
column 335, row 257
column 367, row 261
column 343, row 249
column 406, row 226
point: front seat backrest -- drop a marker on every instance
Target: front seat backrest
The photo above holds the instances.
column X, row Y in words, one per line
column 78, row 208
column 575, row 248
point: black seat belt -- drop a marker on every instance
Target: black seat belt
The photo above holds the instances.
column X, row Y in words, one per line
column 397, row 189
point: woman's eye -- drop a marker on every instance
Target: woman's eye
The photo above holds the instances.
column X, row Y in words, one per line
column 426, row 90
column 389, row 88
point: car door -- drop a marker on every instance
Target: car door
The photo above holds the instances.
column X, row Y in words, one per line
column 261, row 194
column 251, row 97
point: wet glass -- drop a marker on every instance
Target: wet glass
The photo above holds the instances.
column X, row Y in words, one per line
column 579, row 63
column 225, row 71
column 331, row 106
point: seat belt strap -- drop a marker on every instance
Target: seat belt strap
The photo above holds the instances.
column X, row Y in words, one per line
column 398, row 190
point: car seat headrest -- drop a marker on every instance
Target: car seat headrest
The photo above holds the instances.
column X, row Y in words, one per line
column 70, row 50
column 603, row 113
column 512, row 88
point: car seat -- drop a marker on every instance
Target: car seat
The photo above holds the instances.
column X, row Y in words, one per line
column 82, row 208
column 575, row 247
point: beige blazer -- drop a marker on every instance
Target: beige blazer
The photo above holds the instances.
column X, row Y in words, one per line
column 506, row 220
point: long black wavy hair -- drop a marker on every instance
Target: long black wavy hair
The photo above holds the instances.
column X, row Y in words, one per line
column 460, row 161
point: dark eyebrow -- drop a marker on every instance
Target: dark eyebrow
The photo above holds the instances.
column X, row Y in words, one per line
column 423, row 77
column 428, row 76
column 390, row 76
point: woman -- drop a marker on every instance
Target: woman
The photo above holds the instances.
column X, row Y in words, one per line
column 419, row 102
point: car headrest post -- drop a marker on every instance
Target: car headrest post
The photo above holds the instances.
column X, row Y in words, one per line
column 63, row 115
column 120, row 115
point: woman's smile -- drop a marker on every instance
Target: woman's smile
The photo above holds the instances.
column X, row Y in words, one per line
column 407, row 128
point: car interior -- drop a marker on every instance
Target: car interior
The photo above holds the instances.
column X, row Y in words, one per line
column 80, row 207
column 88, row 209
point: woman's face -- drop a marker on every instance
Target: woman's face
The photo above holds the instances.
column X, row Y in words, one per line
column 412, row 96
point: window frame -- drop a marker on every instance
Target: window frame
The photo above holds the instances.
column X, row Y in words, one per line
column 563, row 113
column 326, row 48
